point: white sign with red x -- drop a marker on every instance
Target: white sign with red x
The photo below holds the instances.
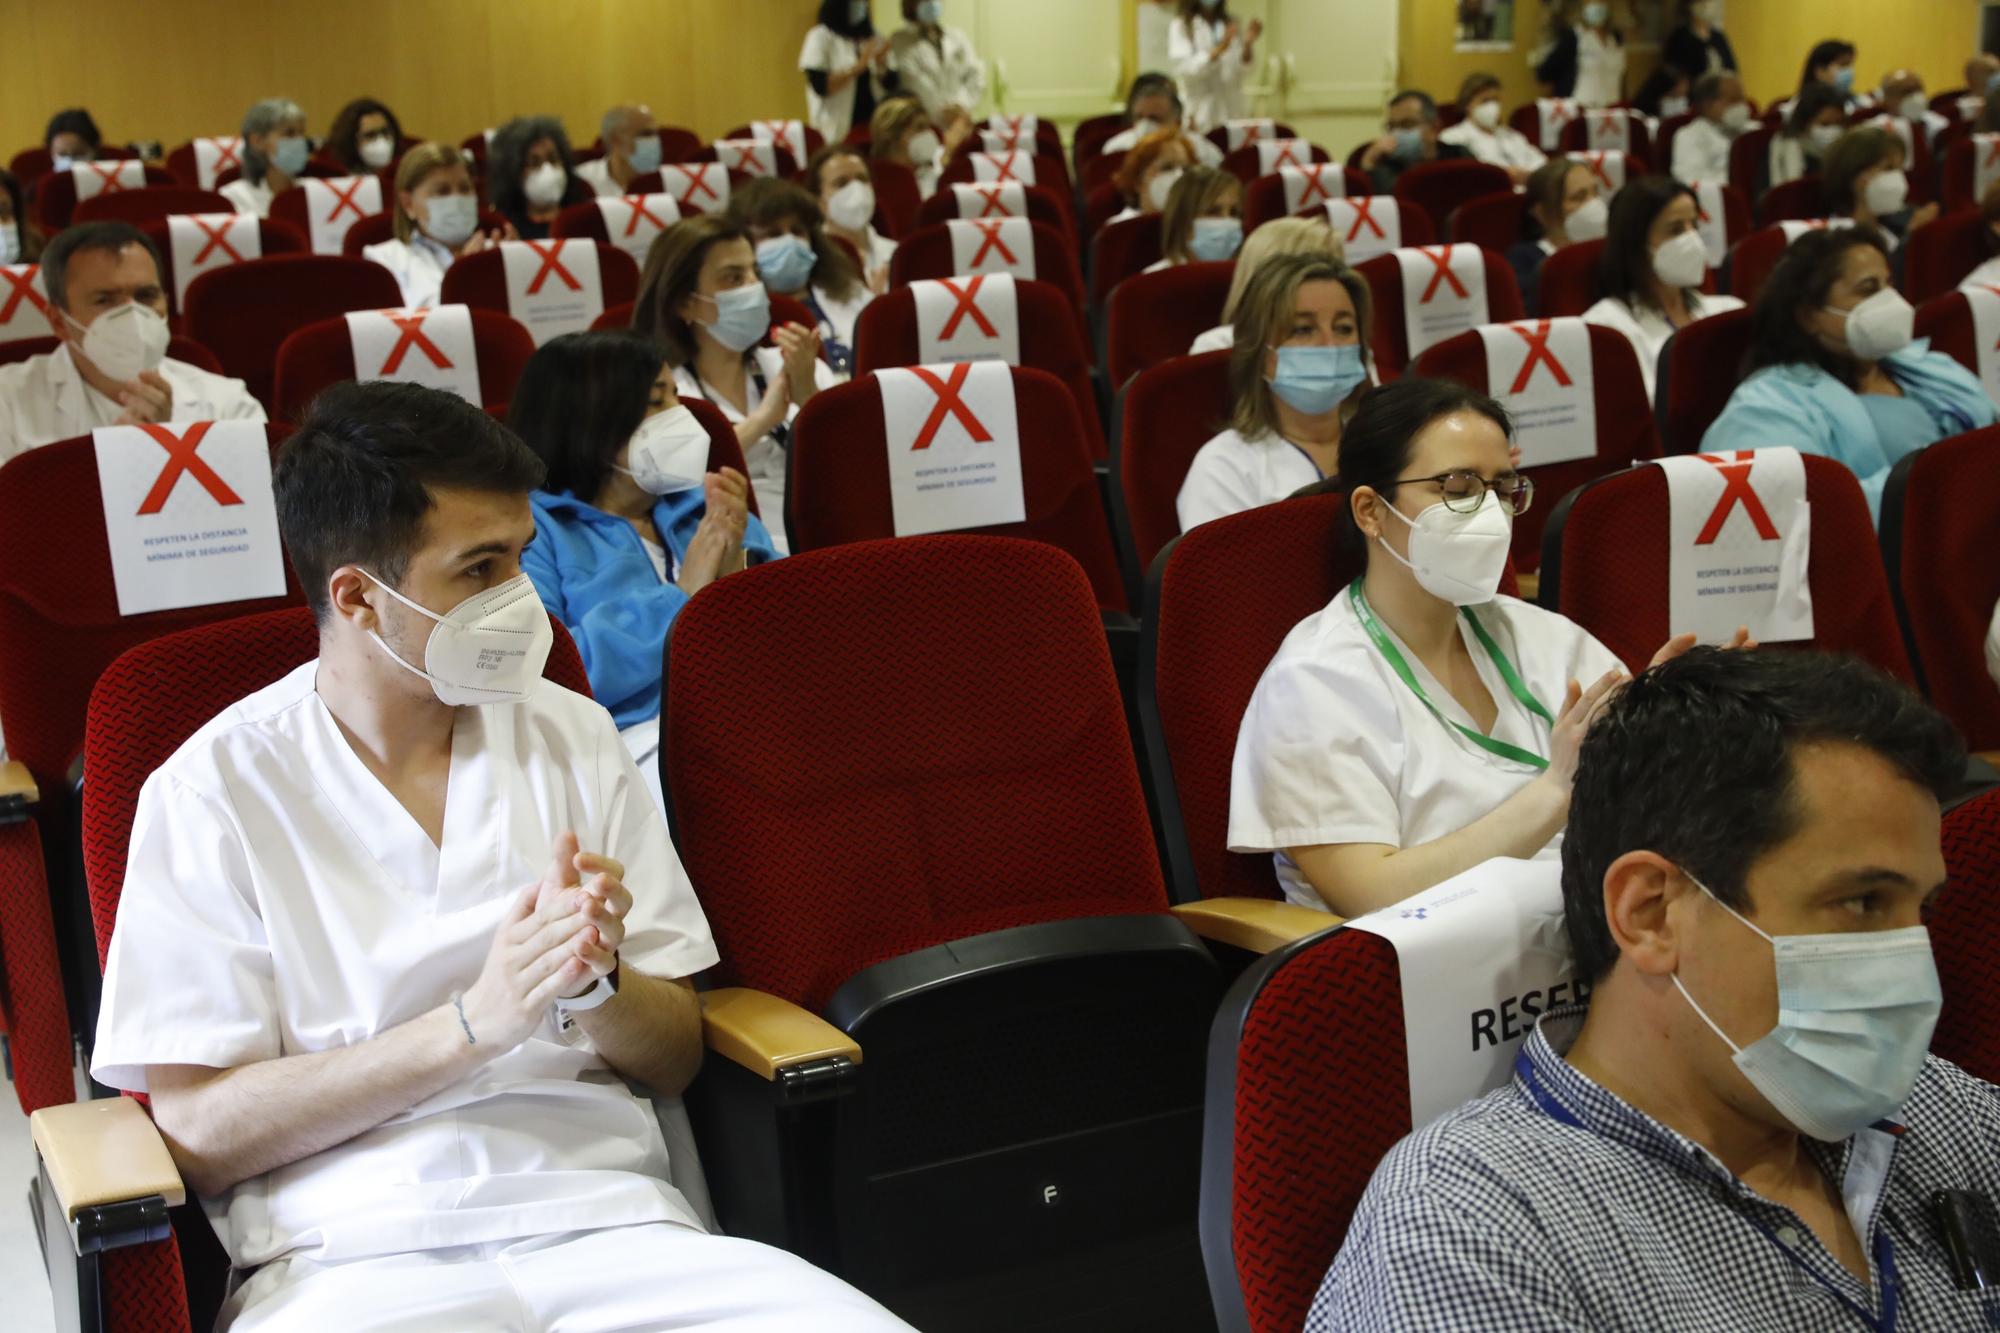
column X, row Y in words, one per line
column 1367, row 224
column 974, row 318
column 215, row 155
column 198, row 242
column 1711, row 219
column 1901, row 128
column 993, row 141
column 189, row 514
column 335, row 204
column 1313, row 183
column 631, row 221
column 1237, row 133
column 95, row 178
column 1015, row 127
column 1277, row 154
column 954, row 447
column 1608, row 167
column 999, row 245
column 1985, row 303
column 1540, row 370
column 1795, row 228
column 1555, row 113
column 553, row 287
column 1444, row 292
column 1608, row 130
column 1985, row 163
column 752, row 157
column 1016, row 165
column 1739, row 532
column 24, row 310
column 698, row 187
column 789, row 135
column 433, row 347
column 991, row 201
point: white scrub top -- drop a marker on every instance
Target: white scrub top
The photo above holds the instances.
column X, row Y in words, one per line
column 1211, row 90
column 1218, row 339
column 1701, row 152
column 947, row 72
column 44, row 399
column 247, row 198
column 1502, row 147
column 1335, row 748
column 418, row 263
column 279, row 900
column 1600, row 68
column 1648, row 330
column 1231, row 474
column 764, row 457
column 827, row 50
column 596, row 173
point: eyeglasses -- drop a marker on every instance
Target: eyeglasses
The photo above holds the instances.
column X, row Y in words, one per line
column 1464, row 490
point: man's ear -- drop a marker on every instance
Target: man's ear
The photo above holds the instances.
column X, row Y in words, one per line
column 345, row 588
column 1639, row 888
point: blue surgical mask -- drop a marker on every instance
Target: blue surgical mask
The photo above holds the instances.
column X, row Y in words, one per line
column 645, row 155
column 1216, row 239
column 785, row 262
column 1855, row 1015
column 1595, row 13
column 742, row 316
column 1409, row 143
column 1315, row 380
column 1843, row 78
column 930, row 12
column 289, row 154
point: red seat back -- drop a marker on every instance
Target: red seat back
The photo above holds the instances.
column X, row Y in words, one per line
column 322, row 354
column 1439, row 187
column 1801, row 200
column 1750, row 160
column 1391, row 332
column 242, row 313
column 1219, row 136
column 1625, row 430
column 178, row 348
column 153, row 202
column 1699, row 369
column 1087, row 140
column 1122, row 250
column 1568, row 284
column 1752, row 259
column 1169, row 411
column 480, row 280
column 1947, row 321
column 1604, row 565
column 926, row 253
column 55, row 197
column 746, row 162
column 839, row 477
column 1576, row 136
column 1247, row 162
column 273, row 238
column 951, row 682
column 1961, row 170
column 1966, row 939
column 1265, row 199
column 814, row 141
column 1663, row 138
column 898, row 198
column 1155, row 317
column 1941, row 254
column 1042, row 204
column 1051, row 172
column 1099, row 172
column 1100, row 205
column 1494, row 222
column 293, row 208
column 723, row 448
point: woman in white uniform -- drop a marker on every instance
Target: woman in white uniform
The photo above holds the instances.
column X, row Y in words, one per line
column 1653, row 266
column 700, row 299
column 1299, row 365
column 1203, row 220
column 1565, row 206
column 903, row 134
column 437, row 221
column 1813, row 126
column 795, row 259
column 1212, row 55
column 838, row 176
column 1278, row 237
column 1420, row 724
column 937, row 63
column 1482, row 135
column 1586, row 58
column 847, row 69
column 275, row 151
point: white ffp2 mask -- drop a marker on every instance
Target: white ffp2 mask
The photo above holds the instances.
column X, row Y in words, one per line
column 1880, row 326
column 125, row 341
column 852, row 206
column 668, row 453
column 1458, row 557
column 489, row 649
column 1886, row 193
column 1682, row 261
column 545, row 185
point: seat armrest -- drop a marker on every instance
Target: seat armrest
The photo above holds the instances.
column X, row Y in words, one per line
column 104, row 1152
column 767, row 1035
column 18, row 792
column 1257, row 924
column 1530, row 586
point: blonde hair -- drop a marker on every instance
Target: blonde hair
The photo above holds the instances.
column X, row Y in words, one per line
column 418, row 163
column 1276, row 238
column 891, row 121
column 1198, row 190
column 1264, row 321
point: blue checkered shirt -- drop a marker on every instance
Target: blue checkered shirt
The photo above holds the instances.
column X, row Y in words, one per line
column 1552, row 1204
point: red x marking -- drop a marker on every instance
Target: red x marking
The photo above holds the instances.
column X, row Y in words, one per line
column 993, row 201
column 1363, row 206
column 218, row 239
column 639, row 210
column 1252, row 133
column 1536, row 335
column 747, row 159
column 991, row 231
column 1287, row 154
column 781, row 135
column 110, row 178
column 948, row 401
column 1004, row 164
column 410, row 333
column 697, row 180
column 550, row 253
column 1736, row 490
column 181, row 458
column 1595, row 161
column 1013, row 124
column 1992, row 153
column 1441, row 256
column 1610, row 124
column 345, row 199
column 968, row 304
column 225, row 154
column 1315, row 183
column 20, row 287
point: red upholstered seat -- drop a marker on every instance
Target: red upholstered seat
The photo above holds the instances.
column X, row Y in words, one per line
column 1750, row 160
column 745, row 162
column 379, row 227
column 1576, row 137
column 1960, row 173
column 814, row 142
column 1165, row 416
column 926, row 253
column 1941, row 254
column 55, row 198
column 1965, row 935
column 1568, row 284
column 155, row 201
column 1801, row 200
column 1247, row 162
column 1625, row 430
column 898, row 198
column 1154, row 317
column 1663, row 138
column 1087, row 140
column 1699, row 369
column 273, row 238
column 1947, row 321
column 31, row 164
column 1264, row 197
column 1101, row 203
column 1439, row 187
column 723, row 448
column 1391, row 333
column 1219, row 136
column 242, row 313
column 322, row 354
column 1051, row 172
column 1752, row 259
column 1122, row 250
column 1043, row 207
column 480, row 280
column 1604, row 565
column 1490, row 221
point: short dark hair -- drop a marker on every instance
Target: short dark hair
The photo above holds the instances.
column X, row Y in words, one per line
column 578, row 401
column 1152, row 84
column 1805, row 274
column 343, row 140
column 1812, row 99
column 507, row 158
column 833, row 15
column 75, row 121
column 1693, row 760
column 1853, row 153
column 1426, row 104
column 108, row 236
column 1824, row 53
column 766, row 201
column 353, row 483
column 1375, row 445
column 1709, row 87
column 1625, row 267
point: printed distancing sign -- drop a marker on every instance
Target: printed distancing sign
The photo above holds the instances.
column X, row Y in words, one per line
column 954, row 444
column 1740, row 538
column 1237, row 133
column 553, row 287
column 1556, row 113
column 631, row 221
column 24, row 309
column 996, row 245
column 1367, row 224
column 213, row 156
column 189, row 514
column 1015, row 166
column 1444, row 292
column 1985, row 304
column 1312, row 183
column 198, row 242
column 697, row 187
column 1540, row 370
column 1009, row 200
column 971, row 318
column 334, row 205
column 432, row 347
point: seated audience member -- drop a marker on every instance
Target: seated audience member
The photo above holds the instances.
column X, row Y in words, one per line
column 1409, row 137
column 1742, row 1129
column 1421, row 723
column 109, row 310
column 20, row 242
column 1653, row 267
column 1865, row 181
column 359, row 1048
column 1903, row 95
column 629, row 522
column 847, row 68
column 437, row 221
column 631, row 142
column 275, row 152
column 1988, row 272
column 1565, row 206
column 1299, row 364
column 1275, row 239
column 838, row 177
column 937, row 65
column 71, row 137
column 902, row 133
column 1664, row 93
column 1832, row 368
column 1203, row 219
column 531, row 175
column 1483, row 134
column 1701, row 149
column 795, row 259
column 1147, row 175
column 1811, row 128
column 700, row 299
column 1830, row 64
column 364, row 138
column 1152, row 104
column 1980, row 72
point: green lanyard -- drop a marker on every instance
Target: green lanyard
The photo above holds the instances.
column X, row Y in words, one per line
column 1388, row 649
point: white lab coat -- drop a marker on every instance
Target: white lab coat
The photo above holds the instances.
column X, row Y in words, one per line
column 1218, row 339
column 764, row 457
column 1211, row 90
column 825, row 49
column 1701, row 152
column 1231, row 474
column 596, row 173
column 44, row 399
column 247, row 198
column 1648, row 330
column 1789, row 159
column 947, row 72
column 1334, row 748
column 838, row 317
column 1502, row 147
column 1600, row 68
column 1126, row 139
column 418, row 263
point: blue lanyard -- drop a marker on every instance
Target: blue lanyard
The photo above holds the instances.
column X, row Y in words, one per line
column 838, row 353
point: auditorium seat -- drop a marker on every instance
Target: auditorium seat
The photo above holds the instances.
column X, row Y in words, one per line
column 31, row 164
column 1663, row 137
column 1941, row 254
column 480, row 280
column 1594, row 131
column 1049, row 171
column 723, row 449
column 1154, row 317
column 273, row 238
column 148, row 204
column 1965, row 158
column 1752, row 259
column 1087, row 140
column 927, row 253
column 243, row 312
column 294, row 208
column 56, row 198
column 1247, row 162
column 379, row 227
column 1122, row 250
column 1568, row 282
column 779, row 134
column 1265, row 197
column 1391, row 334
column 1699, row 368
column 897, row 196
column 322, row 354
column 1947, row 321
column 1439, row 187
column 1965, row 935
column 1041, row 202
column 1802, row 200
column 743, row 158
column 1750, row 160
column 1496, row 222
column 1166, row 413
column 1221, row 136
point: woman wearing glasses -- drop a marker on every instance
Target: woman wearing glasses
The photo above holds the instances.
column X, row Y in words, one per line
column 1420, row 724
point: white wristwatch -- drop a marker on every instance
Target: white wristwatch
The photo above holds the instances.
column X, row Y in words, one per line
column 603, row 989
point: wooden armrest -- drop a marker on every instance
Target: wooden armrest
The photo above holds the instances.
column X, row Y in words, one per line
column 17, row 781
column 1990, row 756
column 765, row 1034
column 104, row 1151
column 1257, row 924
column 1530, row 586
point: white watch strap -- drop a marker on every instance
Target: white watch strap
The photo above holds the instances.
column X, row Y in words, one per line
column 599, row 992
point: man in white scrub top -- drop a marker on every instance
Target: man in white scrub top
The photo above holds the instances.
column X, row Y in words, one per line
column 399, row 929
